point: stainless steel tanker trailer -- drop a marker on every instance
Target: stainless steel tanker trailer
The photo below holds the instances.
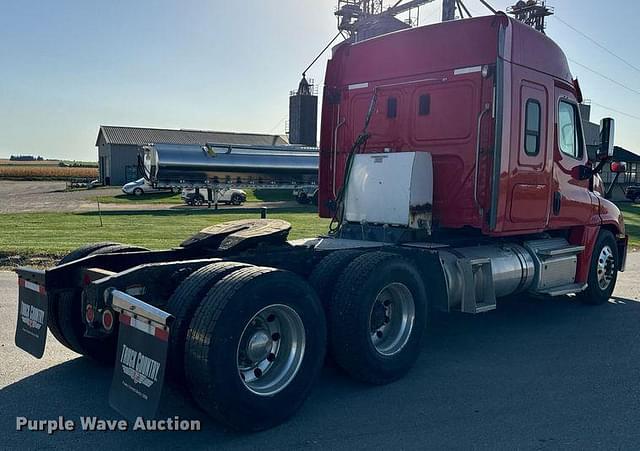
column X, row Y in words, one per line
column 213, row 167
column 194, row 165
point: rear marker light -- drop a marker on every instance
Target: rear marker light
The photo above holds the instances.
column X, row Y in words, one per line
column 107, row 320
column 89, row 314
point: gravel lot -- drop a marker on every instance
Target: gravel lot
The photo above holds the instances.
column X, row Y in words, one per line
column 534, row 374
column 38, row 196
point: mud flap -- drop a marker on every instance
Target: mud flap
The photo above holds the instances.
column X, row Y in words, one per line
column 31, row 329
column 143, row 344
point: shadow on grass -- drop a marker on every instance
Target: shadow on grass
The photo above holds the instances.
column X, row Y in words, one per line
column 204, row 212
column 167, row 197
column 270, row 195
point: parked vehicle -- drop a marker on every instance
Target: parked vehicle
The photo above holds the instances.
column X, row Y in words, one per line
column 229, row 196
column 457, row 191
column 633, row 194
column 306, row 194
column 141, row 186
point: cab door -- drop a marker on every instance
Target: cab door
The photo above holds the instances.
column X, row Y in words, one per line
column 571, row 200
column 530, row 174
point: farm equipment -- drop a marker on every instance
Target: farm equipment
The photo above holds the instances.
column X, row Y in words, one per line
column 453, row 165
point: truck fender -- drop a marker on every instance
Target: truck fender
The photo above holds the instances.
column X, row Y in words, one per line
column 584, row 236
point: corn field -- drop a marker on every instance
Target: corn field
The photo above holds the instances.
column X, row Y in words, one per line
column 31, row 172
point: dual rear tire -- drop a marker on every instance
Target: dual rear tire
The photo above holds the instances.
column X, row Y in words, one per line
column 254, row 346
column 65, row 315
column 376, row 314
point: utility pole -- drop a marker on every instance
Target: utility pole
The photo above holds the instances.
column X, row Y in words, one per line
column 448, row 10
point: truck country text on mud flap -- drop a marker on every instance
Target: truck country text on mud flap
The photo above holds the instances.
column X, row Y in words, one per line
column 142, row 348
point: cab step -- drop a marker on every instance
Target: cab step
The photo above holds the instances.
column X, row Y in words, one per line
column 478, row 295
column 566, row 289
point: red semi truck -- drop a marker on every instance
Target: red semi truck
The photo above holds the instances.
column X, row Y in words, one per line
column 454, row 167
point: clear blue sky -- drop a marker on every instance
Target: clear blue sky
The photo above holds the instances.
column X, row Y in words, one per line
column 68, row 66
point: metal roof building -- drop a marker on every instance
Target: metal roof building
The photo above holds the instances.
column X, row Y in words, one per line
column 118, row 147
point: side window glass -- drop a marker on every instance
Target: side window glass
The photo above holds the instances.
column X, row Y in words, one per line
column 392, row 107
column 532, row 128
column 424, row 105
column 568, row 130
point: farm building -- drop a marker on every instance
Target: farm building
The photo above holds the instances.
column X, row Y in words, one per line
column 118, row 147
column 592, row 141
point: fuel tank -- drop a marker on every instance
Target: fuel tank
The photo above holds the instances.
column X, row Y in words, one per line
column 172, row 164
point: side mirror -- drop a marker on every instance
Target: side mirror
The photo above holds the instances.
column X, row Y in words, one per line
column 607, row 132
column 618, row 167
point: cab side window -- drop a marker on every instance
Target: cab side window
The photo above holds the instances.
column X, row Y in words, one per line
column 532, row 128
column 569, row 131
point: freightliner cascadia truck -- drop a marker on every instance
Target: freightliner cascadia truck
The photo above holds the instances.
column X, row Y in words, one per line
column 454, row 167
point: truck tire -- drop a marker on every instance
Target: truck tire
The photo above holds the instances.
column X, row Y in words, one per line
column 377, row 317
column 326, row 273
column 70, row 322
column 303, row 199
column 198, row 200
column 184, row 302
column 255, row 347
column 84, row 251
column 52, row 315
column 603, row 270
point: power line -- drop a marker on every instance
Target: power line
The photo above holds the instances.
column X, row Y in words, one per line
column 491, row 8
column 605, row 76
column 598, row 44
column 273, row 129
column 462, row 7
column 616, row 111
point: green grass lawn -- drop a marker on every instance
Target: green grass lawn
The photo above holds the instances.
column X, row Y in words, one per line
column 631, row 213
column 258, row 195
column 157, row 198
column 39, row 234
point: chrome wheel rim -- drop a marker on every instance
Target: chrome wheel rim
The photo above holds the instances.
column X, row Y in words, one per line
column 391, row 319
column 271, row 349
column 606, row 268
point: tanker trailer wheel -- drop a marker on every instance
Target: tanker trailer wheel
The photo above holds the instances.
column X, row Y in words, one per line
column 69, row 316
column 603, row 270
column 198, row 200
column 255, row 347
column 303, row 198
column 184, row 302
column 377, row 317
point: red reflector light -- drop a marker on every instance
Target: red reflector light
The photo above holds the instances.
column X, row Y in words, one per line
column 107, row 320
column 89, row 314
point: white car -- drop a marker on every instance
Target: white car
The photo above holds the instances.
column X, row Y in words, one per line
column 229, row 196
column 140, row 187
